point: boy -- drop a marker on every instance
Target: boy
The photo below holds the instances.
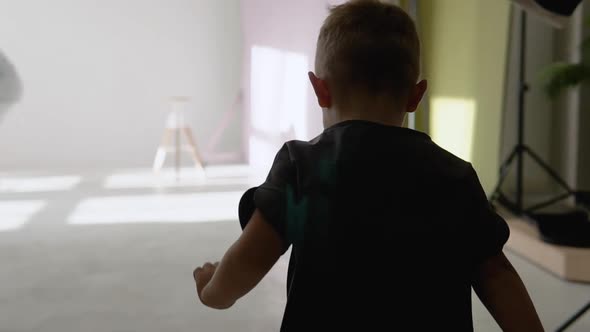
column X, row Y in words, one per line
column 388, row 231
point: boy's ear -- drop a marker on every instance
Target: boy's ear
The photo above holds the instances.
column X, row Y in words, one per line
column 416, row 96
column 321, row 90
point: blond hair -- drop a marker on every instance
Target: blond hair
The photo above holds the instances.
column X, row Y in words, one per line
column 370, row 47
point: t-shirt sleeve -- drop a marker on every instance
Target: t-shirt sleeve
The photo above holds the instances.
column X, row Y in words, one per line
column 270, row 198
column 487, row 232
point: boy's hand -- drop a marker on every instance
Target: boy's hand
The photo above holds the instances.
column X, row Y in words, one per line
column 245, row 263
column 202, row 277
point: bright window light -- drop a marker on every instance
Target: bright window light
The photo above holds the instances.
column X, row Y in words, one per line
column 15, row 214
column 278, row 102
column 451, row 125
column 38, row 184
column 166, row 208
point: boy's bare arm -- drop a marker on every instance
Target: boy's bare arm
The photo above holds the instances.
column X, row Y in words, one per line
column 245, row 263
column 501, row 290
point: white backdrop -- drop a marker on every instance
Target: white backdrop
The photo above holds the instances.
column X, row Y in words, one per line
column 96, row 75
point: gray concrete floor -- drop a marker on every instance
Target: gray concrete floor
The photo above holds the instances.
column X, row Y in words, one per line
column 75, row 255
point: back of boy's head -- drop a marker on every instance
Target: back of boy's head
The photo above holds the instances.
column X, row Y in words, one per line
column 368, row 47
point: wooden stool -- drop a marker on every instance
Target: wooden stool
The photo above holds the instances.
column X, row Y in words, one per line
column 176, row 129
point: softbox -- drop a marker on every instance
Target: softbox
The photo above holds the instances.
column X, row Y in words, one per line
column 554, row 11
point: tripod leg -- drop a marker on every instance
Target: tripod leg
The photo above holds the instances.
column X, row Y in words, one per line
column 159, row 159
column 503, row 175
column 548, row 169
column 177, row 154
column 193, row 148
column 509, row 161
column 574, row 318
column 161, row 153
column 548, row 203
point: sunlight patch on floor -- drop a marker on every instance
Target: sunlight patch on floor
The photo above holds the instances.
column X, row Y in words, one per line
column 15, row 214
column 36, row 184
column 164, row 208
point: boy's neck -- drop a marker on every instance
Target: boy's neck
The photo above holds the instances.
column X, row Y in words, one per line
column 381, row 109
column 389, row 118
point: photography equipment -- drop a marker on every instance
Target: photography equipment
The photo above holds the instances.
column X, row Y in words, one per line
column 570, row 228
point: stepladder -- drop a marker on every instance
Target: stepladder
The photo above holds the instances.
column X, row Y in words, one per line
column 178, row 138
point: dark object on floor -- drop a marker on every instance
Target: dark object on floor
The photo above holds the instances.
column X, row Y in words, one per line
column 561, row 7
column 571, row 228
column 583, row 198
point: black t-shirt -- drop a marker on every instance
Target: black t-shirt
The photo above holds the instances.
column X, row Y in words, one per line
column 385, row 226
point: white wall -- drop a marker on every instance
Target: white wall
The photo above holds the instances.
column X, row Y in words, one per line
column 96, row 76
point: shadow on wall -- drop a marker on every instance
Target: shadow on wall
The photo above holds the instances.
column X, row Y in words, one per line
column 10, row 85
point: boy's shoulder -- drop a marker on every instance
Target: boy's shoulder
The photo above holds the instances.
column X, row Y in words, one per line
column 452, row 165
column 418, row 149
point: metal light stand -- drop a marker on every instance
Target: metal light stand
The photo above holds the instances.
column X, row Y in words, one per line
column 521, row 149
column 518, row 154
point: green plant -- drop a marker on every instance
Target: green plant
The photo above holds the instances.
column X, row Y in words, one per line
column 560, row 76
